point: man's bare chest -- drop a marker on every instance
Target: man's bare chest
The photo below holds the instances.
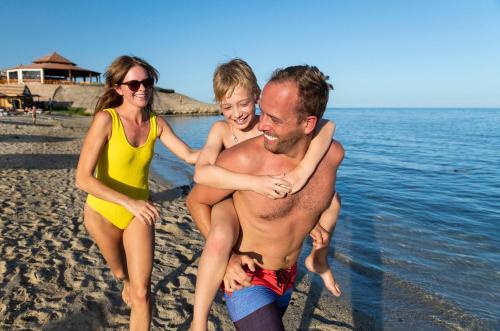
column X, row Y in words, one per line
column 312, row 200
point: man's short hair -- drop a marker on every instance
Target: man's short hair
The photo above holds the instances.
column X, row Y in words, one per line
column 312, row 85
column 232, row 74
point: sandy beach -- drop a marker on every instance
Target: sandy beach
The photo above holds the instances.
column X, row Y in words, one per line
column 52, row 276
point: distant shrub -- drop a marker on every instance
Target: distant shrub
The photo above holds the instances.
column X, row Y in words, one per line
column 78, row 111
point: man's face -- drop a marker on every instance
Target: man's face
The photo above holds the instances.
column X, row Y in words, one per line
column 278, row 119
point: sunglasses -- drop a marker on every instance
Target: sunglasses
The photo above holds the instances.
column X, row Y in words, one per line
column 135, row 85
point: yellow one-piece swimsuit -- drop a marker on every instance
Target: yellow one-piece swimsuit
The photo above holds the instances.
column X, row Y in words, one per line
column 124, row 168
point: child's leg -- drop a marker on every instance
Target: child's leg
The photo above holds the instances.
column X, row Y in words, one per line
column 317, row 261
column 223, row 234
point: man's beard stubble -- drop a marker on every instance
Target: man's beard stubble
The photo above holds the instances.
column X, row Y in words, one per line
column 284, row 143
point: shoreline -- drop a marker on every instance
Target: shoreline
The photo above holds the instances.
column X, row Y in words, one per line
column 53, row 276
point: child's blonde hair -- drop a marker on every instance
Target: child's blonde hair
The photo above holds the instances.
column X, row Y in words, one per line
column 228, row 76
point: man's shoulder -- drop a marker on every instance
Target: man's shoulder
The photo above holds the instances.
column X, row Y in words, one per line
column 241, row 157
column 335, row 153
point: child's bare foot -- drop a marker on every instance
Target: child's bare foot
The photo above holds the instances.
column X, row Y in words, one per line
column 317, row 262
column 125, row 292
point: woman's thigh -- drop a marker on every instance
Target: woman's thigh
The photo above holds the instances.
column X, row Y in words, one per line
column 138, row 240
column 107, row 237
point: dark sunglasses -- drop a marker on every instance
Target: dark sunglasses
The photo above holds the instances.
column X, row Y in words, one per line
column 135, row 85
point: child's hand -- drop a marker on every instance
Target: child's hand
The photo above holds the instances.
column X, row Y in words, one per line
column 297, row 178
column 319, row 236
column 274, row 187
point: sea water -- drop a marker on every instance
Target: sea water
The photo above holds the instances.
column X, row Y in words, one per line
column 417, row 244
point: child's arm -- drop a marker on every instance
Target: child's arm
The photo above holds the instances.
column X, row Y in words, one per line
column 320, row 143
column 208, row 174
column 175, row 144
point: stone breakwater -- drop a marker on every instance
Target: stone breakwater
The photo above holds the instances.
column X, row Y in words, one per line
column 80, row 96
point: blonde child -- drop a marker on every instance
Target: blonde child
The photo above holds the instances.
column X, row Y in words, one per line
column 237, row 92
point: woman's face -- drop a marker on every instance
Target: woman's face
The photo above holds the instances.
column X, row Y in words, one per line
column 134, row 94
column 239, row 108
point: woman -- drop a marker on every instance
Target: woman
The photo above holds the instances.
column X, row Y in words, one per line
column 118, row 148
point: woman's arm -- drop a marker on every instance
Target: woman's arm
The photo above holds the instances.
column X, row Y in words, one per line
column 320, row 143
column 97, row 136
column 175, row 144
column 208, row 174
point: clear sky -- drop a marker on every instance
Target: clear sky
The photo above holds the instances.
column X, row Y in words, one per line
column 399, row 53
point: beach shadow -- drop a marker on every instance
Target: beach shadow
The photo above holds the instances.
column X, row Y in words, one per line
column 93, row 318
column 173, row 277
column 170, row 194
column 311, row 303
column 24, row 123
column 38, row 161
column 32, row 138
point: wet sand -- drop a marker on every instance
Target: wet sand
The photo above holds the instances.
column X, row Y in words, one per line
column 52, row 276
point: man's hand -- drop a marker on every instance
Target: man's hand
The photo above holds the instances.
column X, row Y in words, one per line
column 236, row 278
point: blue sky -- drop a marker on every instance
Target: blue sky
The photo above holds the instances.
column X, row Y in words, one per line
column 427, row 53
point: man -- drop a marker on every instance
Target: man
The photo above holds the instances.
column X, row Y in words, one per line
column 272, row 231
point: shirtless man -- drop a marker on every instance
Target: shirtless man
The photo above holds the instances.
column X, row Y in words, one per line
column 272, row 231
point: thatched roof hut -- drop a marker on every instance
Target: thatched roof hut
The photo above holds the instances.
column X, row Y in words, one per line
column 15, row 96
column 51, row 69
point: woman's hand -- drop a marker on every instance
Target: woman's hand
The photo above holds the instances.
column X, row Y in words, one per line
column 274, row 187
column 144, row 210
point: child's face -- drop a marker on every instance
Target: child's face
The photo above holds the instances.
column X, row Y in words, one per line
column 239, row 108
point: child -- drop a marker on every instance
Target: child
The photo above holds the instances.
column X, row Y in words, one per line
column 237, row 92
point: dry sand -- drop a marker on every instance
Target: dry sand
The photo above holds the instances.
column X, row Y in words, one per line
column 52, row 276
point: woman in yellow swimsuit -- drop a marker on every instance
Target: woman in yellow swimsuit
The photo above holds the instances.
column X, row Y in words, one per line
column 113, row 169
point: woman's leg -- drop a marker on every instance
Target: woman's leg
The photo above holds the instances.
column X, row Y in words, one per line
column 223, row 234
column 138, row 240
column 109, row 240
